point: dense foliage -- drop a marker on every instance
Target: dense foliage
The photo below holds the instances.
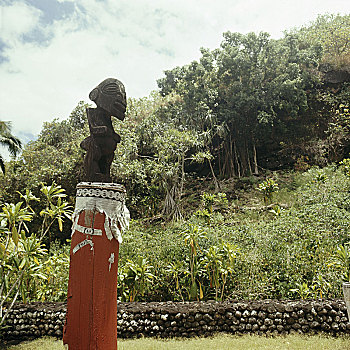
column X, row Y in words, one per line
column 332, row 33
column 241, row 250
column 227, row 248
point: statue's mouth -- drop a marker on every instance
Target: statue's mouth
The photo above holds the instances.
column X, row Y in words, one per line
column 118, row 110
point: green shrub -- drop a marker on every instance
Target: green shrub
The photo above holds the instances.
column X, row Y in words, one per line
column 267, row 188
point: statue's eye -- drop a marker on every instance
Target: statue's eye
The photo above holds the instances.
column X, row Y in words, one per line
column 110, row 89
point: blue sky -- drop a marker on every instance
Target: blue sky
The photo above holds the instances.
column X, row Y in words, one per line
column 53, row 52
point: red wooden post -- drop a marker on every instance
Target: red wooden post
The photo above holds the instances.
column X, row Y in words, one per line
column 99, row 217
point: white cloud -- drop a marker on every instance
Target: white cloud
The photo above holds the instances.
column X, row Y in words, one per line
column 16, row 20
column 133, row 41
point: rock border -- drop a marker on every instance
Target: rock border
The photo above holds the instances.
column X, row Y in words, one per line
column 191, row 319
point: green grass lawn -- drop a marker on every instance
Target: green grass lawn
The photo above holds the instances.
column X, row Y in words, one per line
column 220, row 342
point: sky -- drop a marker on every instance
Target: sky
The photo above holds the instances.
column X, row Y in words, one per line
column 54, row 52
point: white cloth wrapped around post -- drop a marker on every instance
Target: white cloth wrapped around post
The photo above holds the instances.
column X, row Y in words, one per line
column 107, row 198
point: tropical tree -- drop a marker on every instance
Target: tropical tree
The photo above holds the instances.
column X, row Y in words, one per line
column 239, row 94
column 10, row 142
column 54, row 156
column 152, row 156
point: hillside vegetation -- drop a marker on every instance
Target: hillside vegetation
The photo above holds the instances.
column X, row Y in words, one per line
column 243, row 243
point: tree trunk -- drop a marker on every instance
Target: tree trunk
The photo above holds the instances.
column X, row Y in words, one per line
column 238, row 157
column 256, row 171
column 171, row 209
column 248, row 160
column 216, row 182
column 237, row 161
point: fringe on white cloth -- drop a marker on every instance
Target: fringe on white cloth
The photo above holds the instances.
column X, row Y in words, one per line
column 92, row 196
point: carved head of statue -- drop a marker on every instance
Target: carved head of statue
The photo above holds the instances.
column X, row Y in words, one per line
column 110, row 95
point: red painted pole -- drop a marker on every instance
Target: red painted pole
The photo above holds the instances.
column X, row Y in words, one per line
column 100, row 216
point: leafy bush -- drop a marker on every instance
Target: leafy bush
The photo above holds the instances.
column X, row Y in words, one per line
column 25, row 269
column 267, row 188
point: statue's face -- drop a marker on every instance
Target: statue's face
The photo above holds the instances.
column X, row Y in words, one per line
column 110, row 95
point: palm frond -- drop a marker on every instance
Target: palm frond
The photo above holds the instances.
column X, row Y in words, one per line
column 12, row 143
column 2, row 164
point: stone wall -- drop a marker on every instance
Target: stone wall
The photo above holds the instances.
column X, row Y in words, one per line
column 189, row 319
